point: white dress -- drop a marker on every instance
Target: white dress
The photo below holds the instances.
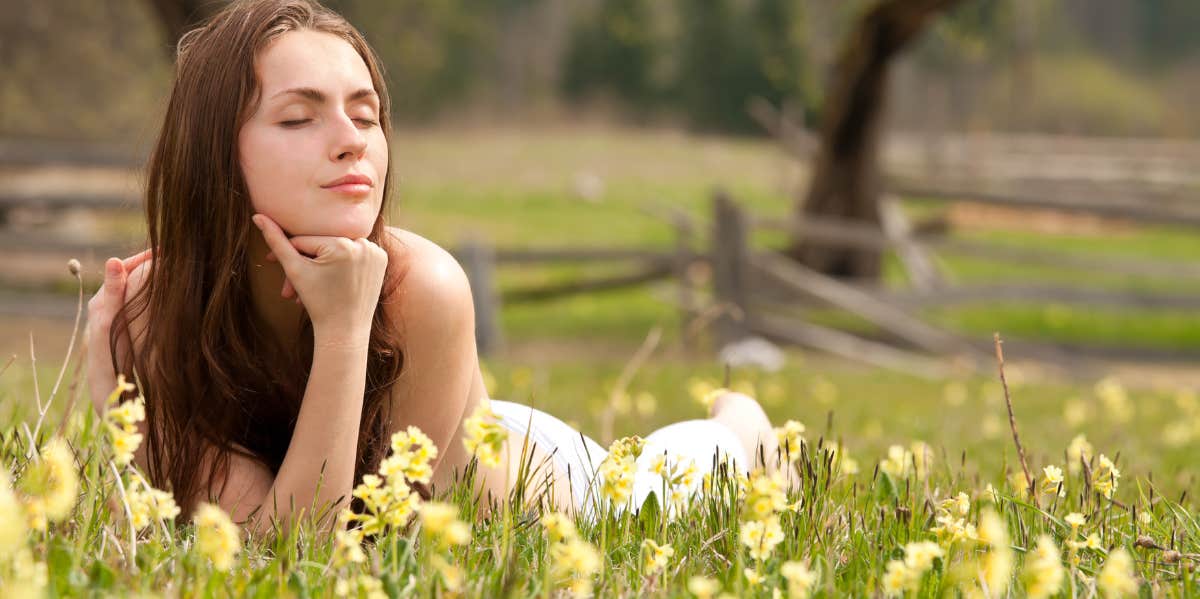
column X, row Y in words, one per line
column 579, row 456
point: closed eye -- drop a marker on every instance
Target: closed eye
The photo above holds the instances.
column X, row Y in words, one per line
column 297, row 123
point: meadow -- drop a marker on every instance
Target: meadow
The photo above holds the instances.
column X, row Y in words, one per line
column 905, row 486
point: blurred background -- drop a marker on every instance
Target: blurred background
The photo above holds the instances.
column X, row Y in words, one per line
column 843, row 199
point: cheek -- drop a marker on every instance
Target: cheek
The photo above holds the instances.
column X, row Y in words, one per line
column 270, row 166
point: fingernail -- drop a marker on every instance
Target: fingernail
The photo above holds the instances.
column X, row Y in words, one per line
column 257, row 223
column 112, row 267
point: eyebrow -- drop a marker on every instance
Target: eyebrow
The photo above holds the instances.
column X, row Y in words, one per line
column 316, row 95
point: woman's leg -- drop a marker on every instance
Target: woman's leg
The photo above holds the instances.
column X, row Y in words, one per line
column 746, row 418
column 749, row 422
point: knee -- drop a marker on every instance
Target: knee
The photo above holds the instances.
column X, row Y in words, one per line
column 736, row 403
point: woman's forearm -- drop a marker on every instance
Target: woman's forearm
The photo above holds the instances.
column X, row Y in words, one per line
column 318, row 468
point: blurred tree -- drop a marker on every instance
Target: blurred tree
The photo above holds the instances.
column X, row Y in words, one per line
column 717, row 66
column 846, row 181
column 433, row 52
column 178, row 16
column 613, row 52
column 780, row 56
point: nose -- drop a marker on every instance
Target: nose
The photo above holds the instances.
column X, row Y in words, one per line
column 349, row 141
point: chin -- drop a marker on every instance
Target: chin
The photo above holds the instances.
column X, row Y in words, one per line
column 351, row 228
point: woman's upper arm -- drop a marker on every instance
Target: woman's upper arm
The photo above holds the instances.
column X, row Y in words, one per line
column 244, row 489
column 441, row 365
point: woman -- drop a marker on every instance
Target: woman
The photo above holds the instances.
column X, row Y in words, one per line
column 279, row 330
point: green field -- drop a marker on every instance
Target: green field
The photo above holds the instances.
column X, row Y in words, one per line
column 565, row 356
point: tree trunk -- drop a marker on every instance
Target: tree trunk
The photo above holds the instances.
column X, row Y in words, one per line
column 846, row 180
column 178, row 16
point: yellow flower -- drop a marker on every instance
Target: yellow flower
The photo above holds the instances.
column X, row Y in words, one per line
column 120, row 420
column 631, row 446
column 1019, row 485
column 485, row 436
column 216, row 536
column 790, row 437
column 1043, row 570
column 800, row 579
column 897, row 579
column 753, row 578
column 765, row 495
column 52, row 484
column 1104, row 477
column 657, row 555
column 951, row 530
column 558, row 527
column 898, row 463
column 28, row 577
column 573, row 564
column 347, row 549
column 1052, row 481
column 1078, row 450
column 13, row 526
column 440, row 524
column 761, row 536
column 122, row 387
column 1112, row 394
column 147, row 505
column 658, row 465
column 705, row 391
column 703, row 587
column 363, row 585
column 385, row 506
column 960, row 503
column 618, row 469
column 995, row 566
column 1116, row 578
column 452, row 575
column 412, row 457
column 919, row 556
column 124, row 443
column 922, row 458
column 1076, row 520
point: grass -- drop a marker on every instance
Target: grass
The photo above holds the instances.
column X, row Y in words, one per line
column 848, row 525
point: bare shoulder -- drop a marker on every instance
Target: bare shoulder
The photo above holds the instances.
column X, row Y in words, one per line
column 434, row 287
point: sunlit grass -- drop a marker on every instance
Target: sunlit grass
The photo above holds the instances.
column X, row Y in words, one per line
column 839, row 527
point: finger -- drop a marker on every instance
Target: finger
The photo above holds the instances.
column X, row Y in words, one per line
column 136, row 260
column 277, row 241
column 114, row 281
column 317, row 245
column 271, row 257
column 288, row 290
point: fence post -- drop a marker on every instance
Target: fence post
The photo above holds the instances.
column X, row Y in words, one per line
column 684, row 259
column 730, row 267
column 479, row 263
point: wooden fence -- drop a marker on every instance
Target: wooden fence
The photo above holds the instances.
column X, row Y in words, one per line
column 756, row 290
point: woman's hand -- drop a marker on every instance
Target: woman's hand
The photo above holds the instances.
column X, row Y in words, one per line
column 100, row 312
column 339, row 285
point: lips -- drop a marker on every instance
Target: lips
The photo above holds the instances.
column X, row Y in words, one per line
column 351, row 180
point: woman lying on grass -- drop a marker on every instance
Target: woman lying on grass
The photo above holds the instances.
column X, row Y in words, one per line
column 280, row 331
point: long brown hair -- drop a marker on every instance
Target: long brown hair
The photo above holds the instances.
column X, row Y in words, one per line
column 215, row 382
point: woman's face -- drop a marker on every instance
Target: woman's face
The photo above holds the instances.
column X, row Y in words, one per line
column 317, row 121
